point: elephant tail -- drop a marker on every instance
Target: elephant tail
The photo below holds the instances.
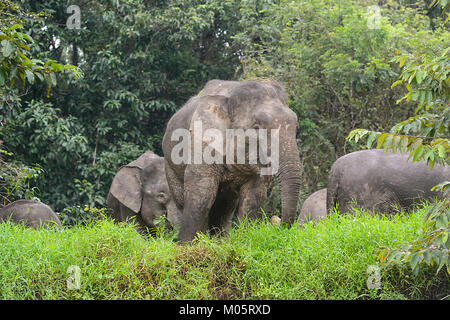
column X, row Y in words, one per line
column 332, row 190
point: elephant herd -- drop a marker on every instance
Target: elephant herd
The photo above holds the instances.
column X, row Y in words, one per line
column 216, row 167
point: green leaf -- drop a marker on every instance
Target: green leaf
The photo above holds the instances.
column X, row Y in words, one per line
column 422, row 95
column 7, row 48
column 40, row 76
column 388, row 142
column 53, row 79
column 30, row 76
column 404, row 144
column 414, row 260
column 402, row 61
column 371, row 138
column 429, row 96
column 396, row 143
column 427, row 257
column 441, row 151
column 408, row 87
column 381, row 139
column 442, row 260
column 418, row 153
column 444, row 236
column 420, row 75
column 396, row 83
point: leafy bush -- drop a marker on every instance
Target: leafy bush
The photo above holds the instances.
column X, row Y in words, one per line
column 425, row 137
column 17, row 181
column 431, row 247
column 18, row 70
column 78, row 215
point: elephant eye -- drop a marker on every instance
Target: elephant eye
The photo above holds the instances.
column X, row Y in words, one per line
column 161, row 196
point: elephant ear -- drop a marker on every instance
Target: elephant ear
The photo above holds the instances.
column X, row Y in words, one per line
column 127, row 185
column 213, row 117
column 126, row 188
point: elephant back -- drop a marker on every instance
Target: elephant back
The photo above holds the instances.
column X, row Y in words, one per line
column 30, row 212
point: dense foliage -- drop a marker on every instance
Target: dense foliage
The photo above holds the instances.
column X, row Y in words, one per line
column 142, row 60
column 18, row 71
column 425, row 137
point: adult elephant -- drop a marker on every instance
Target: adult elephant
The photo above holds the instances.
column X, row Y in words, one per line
column 314, row 208
column 381, row 181
column 139, row 192
column 209, row 189
column 32, row 213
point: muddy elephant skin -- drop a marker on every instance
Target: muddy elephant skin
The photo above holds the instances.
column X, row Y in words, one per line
column 32, row 213
column 209, row 193
column 383, row 182
column 139, row 192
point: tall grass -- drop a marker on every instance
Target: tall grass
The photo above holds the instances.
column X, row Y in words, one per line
column 325, row 260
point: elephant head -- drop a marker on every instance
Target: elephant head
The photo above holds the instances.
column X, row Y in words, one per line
column 140, row 189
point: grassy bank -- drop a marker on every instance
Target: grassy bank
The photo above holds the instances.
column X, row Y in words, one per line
column 327, row 260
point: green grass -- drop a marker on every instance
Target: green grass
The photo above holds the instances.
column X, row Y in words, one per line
column 326, row 260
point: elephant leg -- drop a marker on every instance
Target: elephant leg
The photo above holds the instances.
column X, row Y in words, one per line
column 221, row 214
column 201, row 183
column 379, row 200
column 386, row 202
column 251, row 198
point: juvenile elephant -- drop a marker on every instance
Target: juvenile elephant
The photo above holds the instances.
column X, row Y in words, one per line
column 139, row 191
column 210, row 181
column 32, row 213
column 314, row 208
column 381, row 181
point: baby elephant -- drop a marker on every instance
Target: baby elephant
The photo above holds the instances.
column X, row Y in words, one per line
column 384, row 182
column 314, row 208
column 32, row 213
column 140, row 192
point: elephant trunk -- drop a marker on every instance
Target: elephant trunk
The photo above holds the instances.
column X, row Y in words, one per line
column 289, row 178
column 173, row 214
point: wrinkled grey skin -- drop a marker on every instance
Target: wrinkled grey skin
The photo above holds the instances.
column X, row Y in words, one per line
column 140, row 192
column 32, row 213
column 314, row 208
column 381, row 181
column 209, row 193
